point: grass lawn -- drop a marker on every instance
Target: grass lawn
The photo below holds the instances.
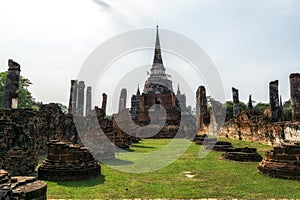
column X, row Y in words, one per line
column 213, row 178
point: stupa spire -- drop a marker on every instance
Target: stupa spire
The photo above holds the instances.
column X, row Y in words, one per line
column 157, row 53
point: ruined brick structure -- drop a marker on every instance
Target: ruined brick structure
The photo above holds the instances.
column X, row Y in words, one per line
column 21, row 187
column 202, row 114
column 249, row 125
column 17, row 151
column 68, row 162
column 158, row 93
column 122, row 100
column 235, row 101
column 10, row 97
column 24, row 134
column 295, row 95
column 274, row 101
column 282, row 162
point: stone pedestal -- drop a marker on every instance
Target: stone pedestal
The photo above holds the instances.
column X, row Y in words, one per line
column 68, row 162
column 218, row 146
column 242, row 154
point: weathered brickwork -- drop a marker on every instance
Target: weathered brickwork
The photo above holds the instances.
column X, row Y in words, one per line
column 21, row 187
column 282, row 162
column 242, row 154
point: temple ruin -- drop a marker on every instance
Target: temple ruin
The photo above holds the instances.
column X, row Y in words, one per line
column 158, row 93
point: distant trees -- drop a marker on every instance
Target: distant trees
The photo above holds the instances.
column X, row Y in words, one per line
column 261, row 107
column 229, row 109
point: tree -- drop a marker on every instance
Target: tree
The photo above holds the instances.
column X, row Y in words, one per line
column 229, row 109
column 25, row 99
column 261, row 107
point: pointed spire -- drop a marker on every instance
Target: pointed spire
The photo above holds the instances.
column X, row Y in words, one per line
column 157, row 53
column 138, row 91
column 250, row 106
column 178, row 90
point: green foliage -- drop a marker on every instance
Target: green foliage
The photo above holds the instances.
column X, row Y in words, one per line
column 229, row 109
column 109, row 117
column 213, row 178
column 261, row 107
column 25, row 99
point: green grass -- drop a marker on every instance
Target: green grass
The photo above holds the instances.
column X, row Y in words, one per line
column 213, row 178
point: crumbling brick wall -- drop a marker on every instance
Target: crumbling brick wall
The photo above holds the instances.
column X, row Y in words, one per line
column 249, row 125
column 24, row 134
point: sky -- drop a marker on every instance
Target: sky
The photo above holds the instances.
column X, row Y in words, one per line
column 250, row 42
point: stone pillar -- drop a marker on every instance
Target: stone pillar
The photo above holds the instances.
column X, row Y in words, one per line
column 88, row 104
column 217, row 116
column 250, row 106
column 122, row 100
column 202, row 115
column 104, row 101
column 274, row 100
column 235, row 101
column 73, row 96
column 10, row 97
column 295, row 95
column 80, row 94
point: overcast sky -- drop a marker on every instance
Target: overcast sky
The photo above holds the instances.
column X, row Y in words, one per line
column 251, row 42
